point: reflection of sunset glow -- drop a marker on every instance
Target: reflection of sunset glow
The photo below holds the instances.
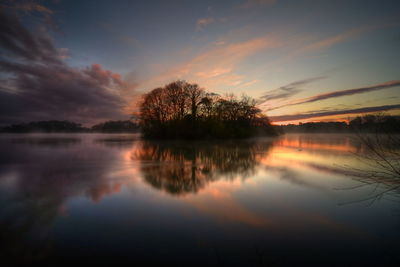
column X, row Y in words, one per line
column 204, row 180
column 309, row 144
column 312, row 152
column 213, row 172
column 218, row 201
column 100, row 191
column 181, row 172
column 272, row 189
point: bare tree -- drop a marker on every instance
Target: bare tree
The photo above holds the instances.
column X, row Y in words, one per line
column 380, row 154
column 196, row 95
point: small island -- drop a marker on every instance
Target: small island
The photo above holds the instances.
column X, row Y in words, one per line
column 182, row 110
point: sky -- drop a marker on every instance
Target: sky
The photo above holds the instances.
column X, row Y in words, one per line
column 90, row 61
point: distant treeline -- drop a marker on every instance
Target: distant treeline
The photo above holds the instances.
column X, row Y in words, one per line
column 116, row 126
column 366, row 123
column 55, row 126
column 183, row 110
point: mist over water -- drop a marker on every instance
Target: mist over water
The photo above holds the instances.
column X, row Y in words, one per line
column 115, row 198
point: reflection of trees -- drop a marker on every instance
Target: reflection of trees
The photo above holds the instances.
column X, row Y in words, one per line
column 117, row 141
column 186, row 167
column 379, row 136
column 381, row 160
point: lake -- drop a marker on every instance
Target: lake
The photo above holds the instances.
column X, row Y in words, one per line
column 113, row 198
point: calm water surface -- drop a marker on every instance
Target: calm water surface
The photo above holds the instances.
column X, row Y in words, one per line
column 110, row 199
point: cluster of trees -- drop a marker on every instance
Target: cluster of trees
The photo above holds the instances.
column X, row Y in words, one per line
column 314, row 127
column 184, row 110
column 367, row 123
column 70, row 127
column 376, row 123
column 116, row 127
column 44, row 126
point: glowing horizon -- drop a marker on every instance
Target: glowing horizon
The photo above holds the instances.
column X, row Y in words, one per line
column 89, row 63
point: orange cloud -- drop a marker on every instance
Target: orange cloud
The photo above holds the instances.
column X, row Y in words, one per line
column 215, row 66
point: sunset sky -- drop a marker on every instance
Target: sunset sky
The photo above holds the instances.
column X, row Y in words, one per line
column 89, row 61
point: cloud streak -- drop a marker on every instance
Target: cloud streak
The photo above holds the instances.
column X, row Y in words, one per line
column 348, row 92
column 287, row 91
column 340, row 93
column 310, row 115
column 19, row 42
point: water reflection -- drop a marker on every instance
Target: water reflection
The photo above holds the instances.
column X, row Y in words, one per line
column 106, row 198
column 121, row 141
column 43, row 141
column 182, row 167
column 37, row 176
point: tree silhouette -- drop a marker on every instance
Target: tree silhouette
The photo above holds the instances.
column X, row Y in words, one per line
column 184, row 110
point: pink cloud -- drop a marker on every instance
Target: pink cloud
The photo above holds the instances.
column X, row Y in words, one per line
column 215, row 66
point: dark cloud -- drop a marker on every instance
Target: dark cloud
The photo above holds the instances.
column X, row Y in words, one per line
column 349, row 92
column 284, row 92
column 21, row 43
column 310, row 115
column 38, row 85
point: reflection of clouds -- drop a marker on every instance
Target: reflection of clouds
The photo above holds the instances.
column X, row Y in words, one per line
column 218, row 201
column 328, row 143
column 297, row 158
column 233, row 184
column 319, row 153
column 98, row 192
column 293, row 177
column 37, row 177
column 281, row 217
